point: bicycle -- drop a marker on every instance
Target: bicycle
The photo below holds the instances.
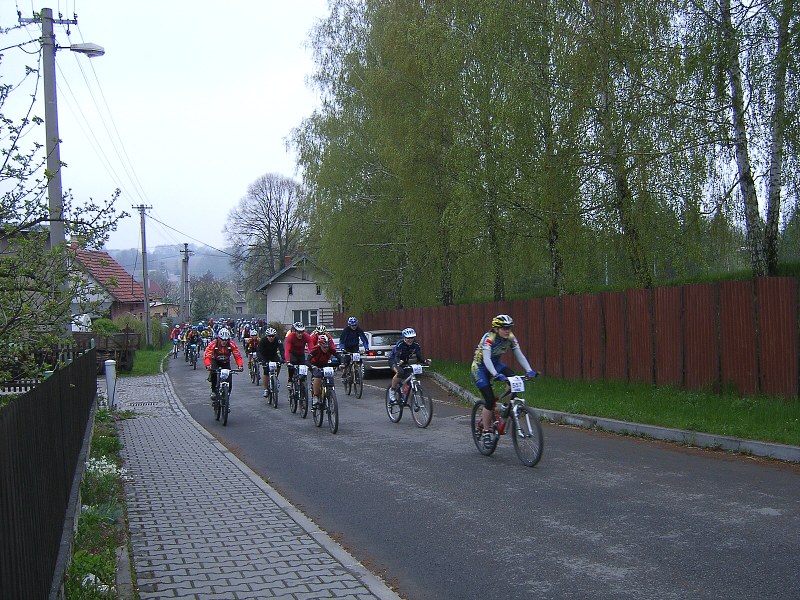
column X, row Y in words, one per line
column 271, row 373
column 327, row 404
column 526, row 430
column 222, row 405
column 193, row 356
column 353, row 375
column 298, row 392
column 410, row 394
column 254, row 368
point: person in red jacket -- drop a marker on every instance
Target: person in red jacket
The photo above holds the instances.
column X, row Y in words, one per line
column 320, row 355
column 294, row 348
column 218, row 353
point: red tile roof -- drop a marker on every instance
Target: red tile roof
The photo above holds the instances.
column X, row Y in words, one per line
column 110, row 274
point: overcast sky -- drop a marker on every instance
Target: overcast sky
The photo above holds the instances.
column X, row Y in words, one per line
column 192, row 102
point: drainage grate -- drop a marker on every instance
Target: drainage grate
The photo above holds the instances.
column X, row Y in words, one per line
column 144, row 403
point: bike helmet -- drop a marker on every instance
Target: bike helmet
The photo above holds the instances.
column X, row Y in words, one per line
column 324, row 340
column 298, row 326
column 502, row 321
column 352, row 321
column 270, row 332
column 224, row 334
column 321, row 330
column 409, row 332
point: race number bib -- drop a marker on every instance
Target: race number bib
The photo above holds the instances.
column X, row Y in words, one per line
column 517, row 384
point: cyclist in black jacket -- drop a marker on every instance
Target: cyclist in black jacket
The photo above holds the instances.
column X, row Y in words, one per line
column 270, row 348
column 401, row 354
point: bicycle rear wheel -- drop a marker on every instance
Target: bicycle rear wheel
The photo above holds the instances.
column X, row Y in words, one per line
column 273, row 390
column 252, row 373
column 528, row 439
column 358, row 380
column 225, row 405
column 303, row 399
column 348, row 379
column 484, row 448
column 394, row 409
column 421, row 407
column 332, row 409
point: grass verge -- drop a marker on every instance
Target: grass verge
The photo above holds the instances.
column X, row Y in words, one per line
column 101, row 525
column 146, row 362
column 759, row 418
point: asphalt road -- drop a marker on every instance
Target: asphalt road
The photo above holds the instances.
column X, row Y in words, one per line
column 601, row 516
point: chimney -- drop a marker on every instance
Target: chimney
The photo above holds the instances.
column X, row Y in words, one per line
column 287, row 260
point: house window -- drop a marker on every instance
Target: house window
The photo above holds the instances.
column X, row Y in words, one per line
column 306, row 317
column 290, row 289
column 319, row 291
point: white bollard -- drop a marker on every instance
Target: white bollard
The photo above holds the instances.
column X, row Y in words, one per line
column 111, row 383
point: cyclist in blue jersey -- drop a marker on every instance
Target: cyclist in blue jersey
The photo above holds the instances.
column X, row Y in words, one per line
column 486, row 364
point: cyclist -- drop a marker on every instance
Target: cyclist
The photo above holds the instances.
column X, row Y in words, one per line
column 294, row 347
column 400, row 355
column 192, row 337
column 320, row 354
column 270, row 348
column 486, row 364
column 219, row 354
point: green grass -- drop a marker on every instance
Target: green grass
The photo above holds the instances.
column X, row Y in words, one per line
column 147, row 362
column 101, row 525
column 759, row 418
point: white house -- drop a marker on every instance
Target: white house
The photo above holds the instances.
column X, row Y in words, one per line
column 295, row 293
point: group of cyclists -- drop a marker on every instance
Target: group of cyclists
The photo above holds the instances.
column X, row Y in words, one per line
column 318, row 350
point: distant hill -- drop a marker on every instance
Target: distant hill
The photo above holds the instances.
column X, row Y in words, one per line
column 167, row 259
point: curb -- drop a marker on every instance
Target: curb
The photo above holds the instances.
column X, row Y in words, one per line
column 690, row 438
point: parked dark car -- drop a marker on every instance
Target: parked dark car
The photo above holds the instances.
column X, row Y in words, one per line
column 380, row 343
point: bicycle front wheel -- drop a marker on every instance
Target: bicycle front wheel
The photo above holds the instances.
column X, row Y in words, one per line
column 421, row 407
column 394, row 408
column 358, row 380
column 217, row 406
column 332, row 409
column 528, row 437
column 303, row 399
column 273, row 390
column 225, row 405
column 318, row 412
column 476, row 422
column 292, row 399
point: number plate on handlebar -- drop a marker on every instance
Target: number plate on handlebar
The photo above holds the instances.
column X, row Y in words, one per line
column 272, row 366
column 224, row 373
column 517, row 384
column 416, row 369
column 356, row 357
column 302, row 369
column 327, row 371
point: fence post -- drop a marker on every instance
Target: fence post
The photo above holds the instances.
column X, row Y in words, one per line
column 111, row 383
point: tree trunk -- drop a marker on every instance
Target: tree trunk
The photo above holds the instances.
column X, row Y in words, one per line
column 777, row 126
column 753, row 221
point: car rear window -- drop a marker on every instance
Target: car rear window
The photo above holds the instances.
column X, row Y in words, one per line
column 386, row 339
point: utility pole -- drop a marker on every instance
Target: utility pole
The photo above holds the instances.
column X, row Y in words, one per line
column 141, row 208
column 185, row 313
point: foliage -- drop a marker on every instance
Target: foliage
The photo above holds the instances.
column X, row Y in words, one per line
column 93, row 566
column 106, row 326
column 478, row 151
column 41, row 287
column 210, row 296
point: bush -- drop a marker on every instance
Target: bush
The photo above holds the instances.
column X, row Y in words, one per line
column 105, row 326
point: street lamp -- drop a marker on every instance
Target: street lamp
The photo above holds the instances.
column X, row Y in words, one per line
column 54, row 191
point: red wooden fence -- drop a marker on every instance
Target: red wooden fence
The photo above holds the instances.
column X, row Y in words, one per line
column 740, row 335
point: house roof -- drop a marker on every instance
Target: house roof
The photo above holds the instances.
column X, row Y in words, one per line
column 300, row 258
column 110, row 274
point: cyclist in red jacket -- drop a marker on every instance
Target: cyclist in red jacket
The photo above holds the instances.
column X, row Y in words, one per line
column 294, row 347
column 320, row 355
column 218, row 355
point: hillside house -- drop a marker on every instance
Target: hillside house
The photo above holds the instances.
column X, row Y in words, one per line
column 295, row 293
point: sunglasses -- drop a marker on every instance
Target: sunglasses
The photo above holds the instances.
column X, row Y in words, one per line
column 507, row 327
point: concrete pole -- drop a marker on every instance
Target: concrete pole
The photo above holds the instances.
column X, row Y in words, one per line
column 145, row 280
column 54, row 191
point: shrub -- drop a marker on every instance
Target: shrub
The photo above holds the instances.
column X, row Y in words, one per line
column 105, row 326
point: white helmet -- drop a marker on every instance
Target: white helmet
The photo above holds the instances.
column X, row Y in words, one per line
column 223, row 334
